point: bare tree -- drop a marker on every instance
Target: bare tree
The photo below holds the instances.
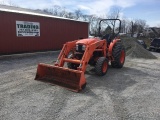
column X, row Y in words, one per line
column 69, row 15
column 93, row 22
column 9, row 2
column 56, row 10
column 88, row 18
column 85, row 17
column 114, row 14
column 140, row 25
column 78, row 14
column 94, row 25
column 128, row 26
column 3, row 2
column 123, row 26
column 48, row 11
column 62, row 12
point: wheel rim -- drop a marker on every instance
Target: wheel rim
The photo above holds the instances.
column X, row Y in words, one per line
column 122, row 57
column 105, row 66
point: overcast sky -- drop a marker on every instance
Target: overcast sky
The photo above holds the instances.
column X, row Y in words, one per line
column 148, row 10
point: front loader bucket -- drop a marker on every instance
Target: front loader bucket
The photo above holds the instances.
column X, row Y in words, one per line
column 64, row 77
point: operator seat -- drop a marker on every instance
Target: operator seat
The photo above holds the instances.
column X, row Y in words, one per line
column 107, row 37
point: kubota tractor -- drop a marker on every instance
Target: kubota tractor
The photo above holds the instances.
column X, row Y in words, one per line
column 97, row 51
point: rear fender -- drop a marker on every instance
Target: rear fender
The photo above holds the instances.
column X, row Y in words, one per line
column 111, row 46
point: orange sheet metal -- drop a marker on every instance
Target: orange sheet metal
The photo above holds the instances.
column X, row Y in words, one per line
column 64, row 77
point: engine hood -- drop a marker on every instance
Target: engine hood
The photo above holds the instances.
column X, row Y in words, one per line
column 87, row 41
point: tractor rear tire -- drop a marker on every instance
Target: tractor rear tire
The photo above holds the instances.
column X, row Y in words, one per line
column 72, row 65
column 101, row 66
column 118, row 54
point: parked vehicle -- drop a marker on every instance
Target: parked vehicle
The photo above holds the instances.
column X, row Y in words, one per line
column 142, row 43
column 155, row 44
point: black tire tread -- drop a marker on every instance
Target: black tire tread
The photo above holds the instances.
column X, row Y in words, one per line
column 118, row 47
column 99, row 65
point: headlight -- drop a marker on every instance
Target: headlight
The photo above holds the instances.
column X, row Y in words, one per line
column 77, row 47
column 80, row 48
column 83, row 47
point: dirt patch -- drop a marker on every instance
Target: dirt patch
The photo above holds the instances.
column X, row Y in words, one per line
column 134, row 50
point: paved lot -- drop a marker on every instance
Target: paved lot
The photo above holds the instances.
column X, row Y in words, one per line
column 130, row 93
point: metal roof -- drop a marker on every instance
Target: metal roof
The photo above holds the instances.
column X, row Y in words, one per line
column 19, row 10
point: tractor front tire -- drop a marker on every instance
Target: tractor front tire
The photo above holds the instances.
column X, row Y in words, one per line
column 101, row 66
column 118, row 54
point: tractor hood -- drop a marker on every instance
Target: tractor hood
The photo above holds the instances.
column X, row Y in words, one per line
column 87, row 41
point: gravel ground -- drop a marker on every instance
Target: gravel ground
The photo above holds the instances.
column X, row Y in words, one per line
column 130, row 93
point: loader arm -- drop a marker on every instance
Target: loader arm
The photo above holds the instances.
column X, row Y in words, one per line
column 64, row 53
column 99, row 45
column 96, row 46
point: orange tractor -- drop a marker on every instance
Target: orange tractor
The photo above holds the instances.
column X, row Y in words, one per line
column 96, row 51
